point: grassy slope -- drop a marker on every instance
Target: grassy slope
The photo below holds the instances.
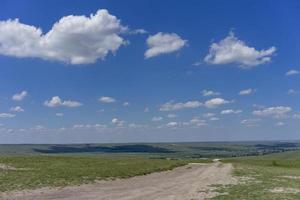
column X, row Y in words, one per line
column 261, row 174
column 40, row 171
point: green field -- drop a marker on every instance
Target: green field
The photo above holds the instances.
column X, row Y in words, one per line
column 260, row 175
column 261, row 168
column 40, row 171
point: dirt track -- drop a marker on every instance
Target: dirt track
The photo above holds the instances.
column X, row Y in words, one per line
column 190, row 182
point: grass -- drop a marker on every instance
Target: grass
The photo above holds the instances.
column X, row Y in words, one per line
column 62, row 165
column 260, row 174
column 56, row 171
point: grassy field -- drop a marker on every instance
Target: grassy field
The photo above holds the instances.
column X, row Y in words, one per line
column 39, row 171
column 270, row 177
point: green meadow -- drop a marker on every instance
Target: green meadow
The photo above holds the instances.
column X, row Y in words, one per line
column 30, row 172
column 271, row 177
column 265, row 170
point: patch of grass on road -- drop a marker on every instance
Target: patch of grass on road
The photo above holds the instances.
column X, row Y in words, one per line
column 55, row 171
column 270, row 177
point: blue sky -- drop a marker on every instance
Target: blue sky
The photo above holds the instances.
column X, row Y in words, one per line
column 149, row 71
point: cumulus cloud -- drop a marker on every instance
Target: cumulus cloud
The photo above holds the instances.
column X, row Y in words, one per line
column 214, row 119
column 16, row 109
column 296, row 116
column 250, row 122
column 7, row 115
column 292, row 72
column 73, row 39
column 117, row 122
column 172, row 125
column 196, row 121
column 138, row 31
column 39, row 128
column 276, row 112
column 126, row 104
column 209, row 93
column 232, row 50
column 213, row 103
column 89, row 126
column 59, row 114
column 134, row 125
column 107, row 100
column 247, row 91
column 156, row 119
column 163, row 43
column 19, row 96
column 169, row 106
column 292, row 91
column 56, row 101
column 172, row 115
column 230, row 111
column 280, row 124
column 208, row 115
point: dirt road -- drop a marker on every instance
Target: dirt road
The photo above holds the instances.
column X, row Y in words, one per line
column 190, row 182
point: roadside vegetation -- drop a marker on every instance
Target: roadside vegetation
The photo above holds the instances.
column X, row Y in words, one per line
column 274, row 176
column 28, row 172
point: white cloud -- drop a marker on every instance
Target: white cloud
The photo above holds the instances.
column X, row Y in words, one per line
column 247, row 91
column 230, row 111
column 163, row 43
column 172, row 115
column 126, row 104
column 16, row 109
column 138, row 31
column 39, row 128
column 59, row 114
column 296, row 116
column 292, row 72
column 134, row 125
column 178, row 106
column 213, row 103
column 73, row 39
column 156, row 119
column 78, row 126
column 209, row 115
column 196, row 121
column 214, row 119
column 197, row 63
column 146, row 109
column 172, row 125
column 292, row 91
column 250, row 122
column 276, row 112
column 90, row 126
column 56, row 102
column 257, row 106
column 209, row 93
column 7, row 115
column 280, row 124
column 19, row 96
column 233, row 50
column 117, row 122
column 107, row 100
